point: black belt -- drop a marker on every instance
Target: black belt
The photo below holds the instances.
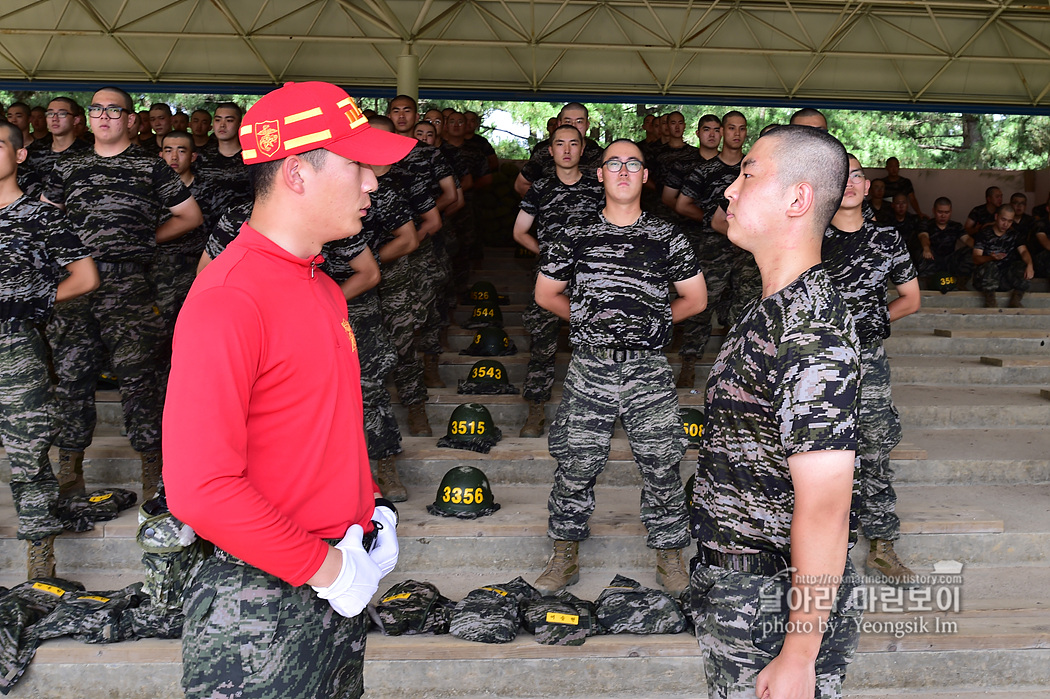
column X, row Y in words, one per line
column 121, row 267
column 762, row 563
column 620, row 355
column 18, row 325
column 368, row 541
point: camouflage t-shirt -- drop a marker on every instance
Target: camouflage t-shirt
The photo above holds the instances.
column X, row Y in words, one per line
column 541, row 164
column 861, row 264
column 388, row 212
column 706, row 186
column 207, row 193
column 786, row 382
column 480, row 144
column 681, row 167
column 619, row 278
column 35, row 243
column 671, row 160
column 471, row 161
column 233, row 186
column 41, row 159
column 227, row 228
column 114, row 204
column 420, row 171
column 980, row 215
column 556, row 205
column 943, row 241
column 988, row 242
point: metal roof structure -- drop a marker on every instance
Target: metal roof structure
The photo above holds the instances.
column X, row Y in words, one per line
column 923, row 53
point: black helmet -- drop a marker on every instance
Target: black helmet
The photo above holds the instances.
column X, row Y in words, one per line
column 693, row 422
column 483, row 291
column 485, row 313
column 487, row 376
column 490, row 342
column 465, row 493
column 943, row 282
column 471, row 427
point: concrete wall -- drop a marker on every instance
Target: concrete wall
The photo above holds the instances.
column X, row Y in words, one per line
column 966, row 187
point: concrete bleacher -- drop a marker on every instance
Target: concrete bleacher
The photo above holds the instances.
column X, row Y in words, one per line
column 973, row 389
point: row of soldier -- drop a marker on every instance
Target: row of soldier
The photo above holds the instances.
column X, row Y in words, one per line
column 419, row 231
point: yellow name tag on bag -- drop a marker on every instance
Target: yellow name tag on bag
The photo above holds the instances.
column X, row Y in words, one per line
column 556, row 618
column 57, row 591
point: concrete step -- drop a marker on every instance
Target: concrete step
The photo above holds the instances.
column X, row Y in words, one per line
column 1001, row 456
column 926, row 342
column 975, row 318
column 1018, row 370
column 974, row 299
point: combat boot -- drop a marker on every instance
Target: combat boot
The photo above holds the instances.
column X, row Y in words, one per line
column 40, row 558
column 534, row 423
column 687, row 376
column 151, row 470
column 883, row 559
column 431, row 374
column 989, row 300
column 562, row 568
column 70, row 473
column 670, row 571
column 388, row 481
column 418, row 425
column 1015, row 299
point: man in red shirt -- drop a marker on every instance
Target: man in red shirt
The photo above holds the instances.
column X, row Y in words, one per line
column 265, row 453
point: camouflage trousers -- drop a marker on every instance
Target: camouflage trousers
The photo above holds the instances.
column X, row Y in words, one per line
column 121, row 316
column 741, row 620
column 1003, row 275
column 880, row 432
column 439, row 271
column 958, row 264
column 377, row 356
column 716, row 255
column 172, row 276
column 27, row 429
column 640, row 391
column 405, row 294
column 544, row 328
column 250, row 635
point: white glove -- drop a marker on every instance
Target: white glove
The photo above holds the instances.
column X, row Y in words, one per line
column 385, row 550
column 358, row 579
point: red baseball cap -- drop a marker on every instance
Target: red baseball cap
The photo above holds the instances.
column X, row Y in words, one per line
column 299, row 117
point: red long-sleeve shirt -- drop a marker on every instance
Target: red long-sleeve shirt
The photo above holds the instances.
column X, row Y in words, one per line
column 264, row 447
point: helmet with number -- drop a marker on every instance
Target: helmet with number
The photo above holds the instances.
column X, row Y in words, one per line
column 491, row 342
column 485, row 313
column 693, row 422
column 471, row 427
column 487, row 376
column 943, row 282
column 465, row 493
column 483, row 291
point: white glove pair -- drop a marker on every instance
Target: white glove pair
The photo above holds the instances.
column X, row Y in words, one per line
column 359, row 576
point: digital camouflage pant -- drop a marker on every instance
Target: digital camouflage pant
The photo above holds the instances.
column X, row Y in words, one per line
column 716, row 255
column 1003, row 275
column 641, row 393
column 544, row 328
column 172, row 276
column 405, row 294
column 121, row 316
column 880, row 432
column 741, row 619
column 26, row 404
column 958, row 264
column 250, row 635
column 377, row 357
column 439, row 271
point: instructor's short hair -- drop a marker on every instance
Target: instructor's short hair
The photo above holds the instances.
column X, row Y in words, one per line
column 805, row 154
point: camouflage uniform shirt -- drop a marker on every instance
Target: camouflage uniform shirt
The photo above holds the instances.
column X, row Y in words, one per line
column 388, row 212
column 943, row 241
column 672, row 160
column 229, row 175
column 860, row 264
column 40, row 161
column 706, row 186
column 619, row 276
column 208, row 195
column 785, row 382
column 556, row 205
column 35, row 243
column 420, row 171
column 227, row 228
column 114, row 204
column 988, row 242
